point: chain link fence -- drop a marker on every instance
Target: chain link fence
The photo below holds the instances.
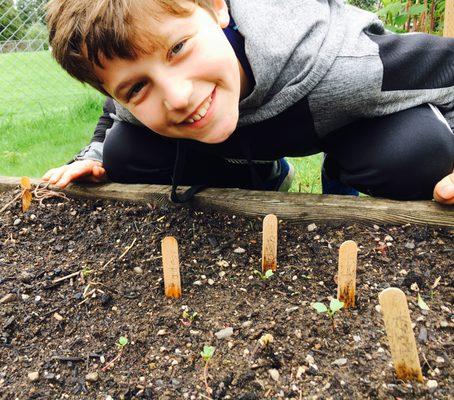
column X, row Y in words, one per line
column 30, row 80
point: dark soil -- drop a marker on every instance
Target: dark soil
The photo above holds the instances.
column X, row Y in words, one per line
column 65, row 336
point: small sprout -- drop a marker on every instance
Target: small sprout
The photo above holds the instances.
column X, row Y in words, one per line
column 188, row 316
column 86, row 272
column 334, row 306
column 264, row 276
column 266, row 340
column 422, row 304
column 122, row 342
column 207, row 353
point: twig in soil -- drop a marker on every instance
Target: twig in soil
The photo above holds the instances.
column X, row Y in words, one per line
column 67, row 277
column 127, row 249
column 427, row 362
column 11, row 202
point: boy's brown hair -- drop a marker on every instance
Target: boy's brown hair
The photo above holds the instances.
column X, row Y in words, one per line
column 81, row 30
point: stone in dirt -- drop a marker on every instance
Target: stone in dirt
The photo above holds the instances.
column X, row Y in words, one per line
column 274, row 373
column 33, row 376
column 239, row 250
column 432, row 385
column 92, row 377
column 224, row 333
column 339, row 362
column 311, row 227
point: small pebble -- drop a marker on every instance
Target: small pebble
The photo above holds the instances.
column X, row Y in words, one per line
column 444, row 324
column 410, row 245
column 239, row 250
column 138, row 270
column 300, row 372
column 432, row 385
column 17, row 221
column 274, row 373
column 422, row 337
column 210, row 282
column 246, row 324
column 25, row 297
column 92, row 377
column 311, row 227
column 291, row 309
column 161, row 332
column 197, row 283
column 440, row 360
column 33, row 376
column 310, row 359
column 58, row 317
column 224, row 333
column 339, row 362
column 221, row 274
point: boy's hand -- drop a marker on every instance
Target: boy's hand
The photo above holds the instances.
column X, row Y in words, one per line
column 444, row 190
column 88, row 170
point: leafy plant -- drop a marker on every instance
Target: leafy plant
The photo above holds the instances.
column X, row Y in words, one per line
column 335, row 305
column 207, row 355
column 121, row 344
column 188, row 317
column 264, row 276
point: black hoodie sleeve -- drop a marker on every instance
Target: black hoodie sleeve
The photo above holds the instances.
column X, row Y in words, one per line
column 94, row 150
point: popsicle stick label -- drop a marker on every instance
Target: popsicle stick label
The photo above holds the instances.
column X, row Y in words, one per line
column 346, row 278
column 400, row 334
column 269, row 243
column 171, row 266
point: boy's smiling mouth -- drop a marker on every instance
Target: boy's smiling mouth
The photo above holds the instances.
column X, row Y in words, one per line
column 201, row 116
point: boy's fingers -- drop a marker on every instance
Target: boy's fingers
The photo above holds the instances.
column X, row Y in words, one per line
column 57, row 174
column 444, row 190
column 48, row 174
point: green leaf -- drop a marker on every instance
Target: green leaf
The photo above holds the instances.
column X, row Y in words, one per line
column 320, row 307
column 422, row 304
column 269, row 273
column 123, row 341
column 207, row 352
column 417, row 9
column 335, row 305
column 400, row 20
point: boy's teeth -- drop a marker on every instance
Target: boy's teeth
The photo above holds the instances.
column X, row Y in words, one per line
column 201, row 112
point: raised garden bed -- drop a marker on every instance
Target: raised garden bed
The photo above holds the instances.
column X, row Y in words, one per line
column 60, row 336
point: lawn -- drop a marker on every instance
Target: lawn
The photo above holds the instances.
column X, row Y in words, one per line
column 46, row 117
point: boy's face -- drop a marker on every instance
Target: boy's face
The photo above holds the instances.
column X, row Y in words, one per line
column 190, row 86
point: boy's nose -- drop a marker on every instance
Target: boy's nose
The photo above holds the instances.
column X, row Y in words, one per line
column 177, row 95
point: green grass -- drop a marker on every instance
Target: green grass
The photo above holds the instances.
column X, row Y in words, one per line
column 307, row 174
column 33, row 83
column 31, row 146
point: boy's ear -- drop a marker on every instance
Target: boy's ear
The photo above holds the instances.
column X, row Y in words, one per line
column 222, row 12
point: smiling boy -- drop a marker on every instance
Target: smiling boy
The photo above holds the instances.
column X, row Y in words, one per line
column 304, row 77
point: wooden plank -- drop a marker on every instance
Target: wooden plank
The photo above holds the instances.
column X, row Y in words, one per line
column 449, row 19
column 287, row 206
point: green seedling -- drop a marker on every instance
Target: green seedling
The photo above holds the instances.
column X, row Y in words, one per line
column 264, row 276
column 86, row 272
column 188, row 317
column 334, row 306
column 207, row 355
column 121, row 344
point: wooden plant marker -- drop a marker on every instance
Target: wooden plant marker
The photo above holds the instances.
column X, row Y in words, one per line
column 449, row 19
column 346, row 278
column 269, row 243
column 171, row 266
column 401, row 339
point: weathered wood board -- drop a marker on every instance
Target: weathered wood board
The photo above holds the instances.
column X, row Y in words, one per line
column 287, row 206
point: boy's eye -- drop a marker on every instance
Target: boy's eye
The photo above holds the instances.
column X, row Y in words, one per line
column 135, row 89
column 177, row 49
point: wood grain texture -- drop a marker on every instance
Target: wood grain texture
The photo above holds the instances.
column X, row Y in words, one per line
column 400, row 334
column 171, row 267
column 449, row 19
column 300, row 207
column 269, row 243
column 346, row 276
